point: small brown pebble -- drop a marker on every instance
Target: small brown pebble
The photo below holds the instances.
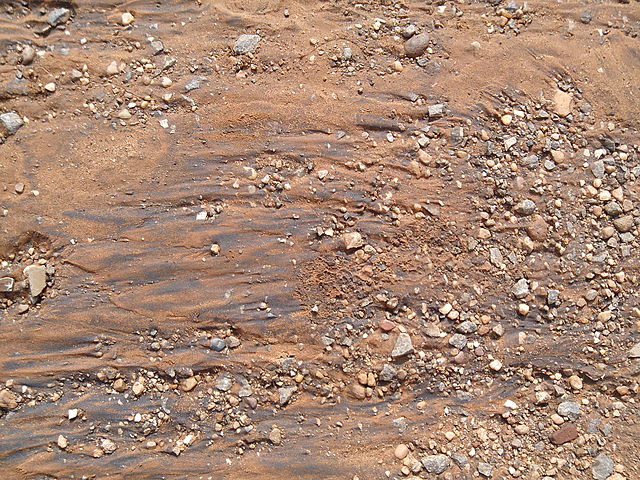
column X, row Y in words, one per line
column 358, row 391
column 119, row 385
column 401, row 451
column 19, row 187
column 189, row 384
column 566, row 433
column 387, row 325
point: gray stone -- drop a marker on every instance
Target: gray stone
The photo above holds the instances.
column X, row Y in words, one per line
column 613, row 209
column 553, row 296
column 435, row 464
column 157, row 46
column 635, row 351
column 597, row 168
column 217, row 344
column 388, row 373
column 403, row 346
column 495, row 256
column 571, row 410
column 6, row 284
column 457, row 135
column 224, row 383
column 458, row 341
column 525, row 207
column 285, row 394
column 520, row 289
column 467, row 327
column 436, row 110
column 10, row 122
column 58, row 16
column 37, row 276
column 246, row 43
column 416, row 45
column 409, row 31
column 531, row 162
column 194, row 84
column 459, row 459
column 485, row 469
column 602, row 467
column 586, row 16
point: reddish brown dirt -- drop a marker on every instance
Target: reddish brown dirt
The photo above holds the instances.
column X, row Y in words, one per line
column 287, row 149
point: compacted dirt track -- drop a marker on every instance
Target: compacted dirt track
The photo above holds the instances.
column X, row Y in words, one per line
column 319, row 239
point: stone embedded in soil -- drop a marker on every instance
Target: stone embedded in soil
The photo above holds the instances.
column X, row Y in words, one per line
column 403, row 346
column 435, row 464
column 624, row 224
column 436, row 110
column 10, row 123
column 467, row 327
column 537, row 228
column 485, row 469
column 37, row 276
column 401, row 451
column 6, row 284
column 189, row 384
column 127, row 19
column 223, row 383
column 112, row 68
column 8, row 399
column 458, row 341
column 217, row 344
column 567, row 433
column 562, row 103
column 520, row 289
column 58, row 16
column 359, row 391
column 108, row 446
column 285, row 394
column 635, row 351
column 525, row 207
column 602, row 467
column 460, row 459
column 28, row 55
column 352, row 240
column 388, row 373
column 416, row 45
column 571, row 410
column 246, row 43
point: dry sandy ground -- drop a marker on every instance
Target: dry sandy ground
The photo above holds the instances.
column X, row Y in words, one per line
column 319, row 257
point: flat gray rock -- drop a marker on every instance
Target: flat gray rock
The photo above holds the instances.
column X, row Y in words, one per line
column 246, row 43
column 571, row 410
column 403, row 346
column 285, row 394
column 435, row 464
column 602, row 467
column 11, row 122
column 58, row 16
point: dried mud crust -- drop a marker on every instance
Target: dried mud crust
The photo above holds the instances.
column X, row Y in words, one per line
column 329, row 239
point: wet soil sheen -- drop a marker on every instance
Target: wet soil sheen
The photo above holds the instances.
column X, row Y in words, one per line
column 331, row 239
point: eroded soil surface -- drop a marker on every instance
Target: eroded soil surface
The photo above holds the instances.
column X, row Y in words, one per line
column 319, row 239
